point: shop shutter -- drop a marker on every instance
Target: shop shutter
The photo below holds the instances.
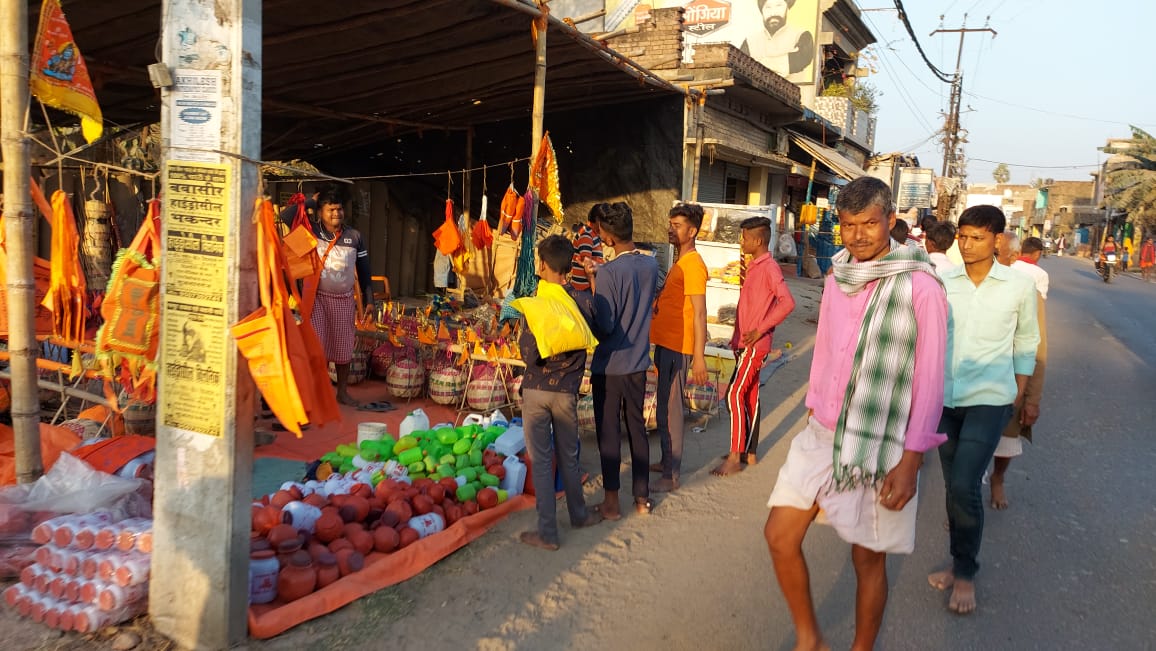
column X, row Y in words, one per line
column 712, row 181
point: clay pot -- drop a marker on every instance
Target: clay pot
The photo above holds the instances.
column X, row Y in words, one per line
column 265, row 517
column 389, row 519
column 373, row 516
column 407, row 537
column 296, row 492
column 385, row 539
column 315, row 500
column 363, row 491
column 362, row 541
column 281, row 498
column 348, row 513
column 360, row 506
column 329, row 527
column 340, row 544
column 258, row 543
column 280, row 533
column 327, row 570
column 352, row 528
column 286, row 550
column 316, row 549
column 297, row 579
column 350, row 561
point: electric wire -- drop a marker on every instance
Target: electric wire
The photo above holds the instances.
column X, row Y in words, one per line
column 904, row 94
column 942, row 76
column 1037, row 167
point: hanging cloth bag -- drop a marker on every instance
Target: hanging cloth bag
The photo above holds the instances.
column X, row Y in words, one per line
column 447, row 239
column 263, row 337
column 126, row 345
column 299, row 247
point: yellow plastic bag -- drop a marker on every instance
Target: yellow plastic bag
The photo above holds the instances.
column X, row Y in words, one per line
column 555, row 321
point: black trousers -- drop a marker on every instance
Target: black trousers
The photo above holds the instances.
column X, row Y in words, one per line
column 615, row 397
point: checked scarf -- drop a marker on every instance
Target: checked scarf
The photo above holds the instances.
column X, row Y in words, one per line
column 873, row 421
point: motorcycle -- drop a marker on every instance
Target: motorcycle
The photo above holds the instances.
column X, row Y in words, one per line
column 1108, row 266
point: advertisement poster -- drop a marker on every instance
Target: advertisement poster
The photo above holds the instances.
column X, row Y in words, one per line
column 915, row 188
column 195, row 118
column 195, row 322
column 781, row 34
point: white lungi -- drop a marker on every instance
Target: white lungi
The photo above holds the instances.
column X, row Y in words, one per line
column 855, row 514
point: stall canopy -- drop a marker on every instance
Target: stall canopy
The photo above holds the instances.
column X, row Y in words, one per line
column 838, row 163
column 369, row 70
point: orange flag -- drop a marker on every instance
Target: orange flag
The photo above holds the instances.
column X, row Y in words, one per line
column 58, row 76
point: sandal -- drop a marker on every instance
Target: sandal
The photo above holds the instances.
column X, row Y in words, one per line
column 380, row 406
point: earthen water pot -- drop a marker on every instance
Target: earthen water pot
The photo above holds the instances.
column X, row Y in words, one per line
column 327, row 570
column 297, row 579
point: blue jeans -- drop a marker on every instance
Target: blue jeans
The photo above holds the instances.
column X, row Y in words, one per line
column 972, row 436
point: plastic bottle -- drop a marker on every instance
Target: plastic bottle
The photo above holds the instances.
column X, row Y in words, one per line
column 473, row 419
column 416, row 421
column 300, row 515
column 114, row 597
column 427, row 525
column 511, row 442
column 263, row 569
column 515, row 480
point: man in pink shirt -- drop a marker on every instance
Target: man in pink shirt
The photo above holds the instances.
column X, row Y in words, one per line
column 764, row 302
column 875, row 398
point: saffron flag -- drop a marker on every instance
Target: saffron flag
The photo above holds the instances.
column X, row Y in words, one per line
column 58, row 76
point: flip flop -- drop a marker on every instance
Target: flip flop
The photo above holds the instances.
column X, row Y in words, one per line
column 381, row 405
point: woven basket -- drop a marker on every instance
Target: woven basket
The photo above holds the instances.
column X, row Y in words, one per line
column 140, row 418
column 701, row 397
column 405, row 379
column 485, row 393
column 586, row 413
column 446, row 385
column 358, row 368
column 85, row 428
column 515, row 390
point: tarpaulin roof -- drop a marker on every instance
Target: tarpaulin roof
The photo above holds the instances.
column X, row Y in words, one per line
column 838, row 163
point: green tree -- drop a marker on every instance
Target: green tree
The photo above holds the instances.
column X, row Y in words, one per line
column 1001, row 173
column 1130, row 177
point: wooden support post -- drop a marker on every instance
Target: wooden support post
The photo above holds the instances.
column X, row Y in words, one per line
column 539, row 113
column 20, row 233
column 699, row 136
column 198, row 594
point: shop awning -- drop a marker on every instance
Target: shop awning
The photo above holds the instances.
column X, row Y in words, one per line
column 839, row 164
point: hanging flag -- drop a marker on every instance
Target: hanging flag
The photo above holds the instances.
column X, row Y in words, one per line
column 58, row 76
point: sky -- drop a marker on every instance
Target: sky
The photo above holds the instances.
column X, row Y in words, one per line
column 1059, row 79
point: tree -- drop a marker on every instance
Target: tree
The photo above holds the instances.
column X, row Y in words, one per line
column 1130, row 177
column 1001, row 173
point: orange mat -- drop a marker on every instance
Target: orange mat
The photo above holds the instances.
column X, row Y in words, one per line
column 381, row 571
column 53, row 441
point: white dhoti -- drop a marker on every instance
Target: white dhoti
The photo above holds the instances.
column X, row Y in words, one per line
column 855, row 514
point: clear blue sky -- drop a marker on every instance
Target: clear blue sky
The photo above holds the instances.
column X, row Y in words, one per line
column 1086, row 59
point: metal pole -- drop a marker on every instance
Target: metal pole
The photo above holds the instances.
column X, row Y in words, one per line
column 539, row 114
column 20, row 236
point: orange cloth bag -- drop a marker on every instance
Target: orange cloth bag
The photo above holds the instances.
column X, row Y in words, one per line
column 447, row 239
column 66, row 290
column 299, row 247
column 261, row 338
column 126, row 345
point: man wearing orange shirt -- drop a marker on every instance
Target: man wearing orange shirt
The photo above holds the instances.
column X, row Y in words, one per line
column 677, row 330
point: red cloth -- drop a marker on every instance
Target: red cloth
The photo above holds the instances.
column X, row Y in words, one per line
column 764, row 302
column 1148, row 254
column 743, row 401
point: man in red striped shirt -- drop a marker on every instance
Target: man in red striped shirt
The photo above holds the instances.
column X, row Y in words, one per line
column 764, row 302
column 587, row 244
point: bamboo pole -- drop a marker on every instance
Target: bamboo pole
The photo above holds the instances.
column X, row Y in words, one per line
column 20, row 236
column 699, row 136
column 539, row 114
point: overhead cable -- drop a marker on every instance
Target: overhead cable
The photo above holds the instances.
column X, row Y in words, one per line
column 942, row 76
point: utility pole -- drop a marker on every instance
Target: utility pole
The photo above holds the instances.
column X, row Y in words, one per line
column 951, row 128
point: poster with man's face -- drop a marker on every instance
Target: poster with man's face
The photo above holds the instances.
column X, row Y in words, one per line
column 780, row 34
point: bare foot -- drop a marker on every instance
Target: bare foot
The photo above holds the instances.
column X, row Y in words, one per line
column 750, row 459
column 962, row 599
column 608, row 511
column 656, row 467
column 346, row 399
column 728, row 467
column 643, row 506
column 941, row 580
column 811, row 645
column 593, row 518
column 534, row 540
column 663, row 485
column 998, row 497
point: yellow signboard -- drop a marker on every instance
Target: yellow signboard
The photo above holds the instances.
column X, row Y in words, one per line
column 195, row 324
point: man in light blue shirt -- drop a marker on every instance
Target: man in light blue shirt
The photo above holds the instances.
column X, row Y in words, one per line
column 992, row 336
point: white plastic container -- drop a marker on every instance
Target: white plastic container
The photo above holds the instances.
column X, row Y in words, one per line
column 302, row 516
column 515, row 480
column 498, row 418
column 511, row 442
column 427, row 525
column 371, row 432
column 473, row 419
column 416, row 421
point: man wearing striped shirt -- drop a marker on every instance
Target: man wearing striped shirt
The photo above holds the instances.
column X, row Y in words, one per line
column 587, row 244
